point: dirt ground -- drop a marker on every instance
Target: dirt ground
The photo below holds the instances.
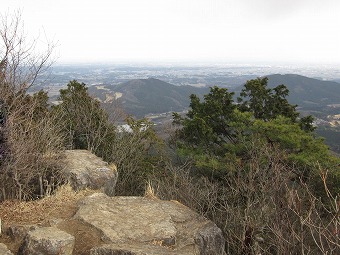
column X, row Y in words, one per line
column 58, row 209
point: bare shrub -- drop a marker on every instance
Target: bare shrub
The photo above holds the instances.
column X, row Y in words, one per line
column 29, row 140
column 131, row 152
column 127, row 153
column 317, row 222
column 261, row 208
column 30, row 167
column 115, row 111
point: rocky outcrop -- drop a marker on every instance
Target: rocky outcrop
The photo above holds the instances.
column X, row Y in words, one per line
column 138, row 225
column 121, row 226
column 47, row 240
column 98, row 224
column 4, row 250
column 85, row 170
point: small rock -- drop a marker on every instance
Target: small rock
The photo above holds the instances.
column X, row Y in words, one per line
column 47, row 240
column 18, row 232
column 210, row 240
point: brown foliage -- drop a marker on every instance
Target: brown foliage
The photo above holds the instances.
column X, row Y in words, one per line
column 29, row 140
column 261, row 208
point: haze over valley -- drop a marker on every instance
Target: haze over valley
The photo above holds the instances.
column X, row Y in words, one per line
column 156, row 91
column 111, row 45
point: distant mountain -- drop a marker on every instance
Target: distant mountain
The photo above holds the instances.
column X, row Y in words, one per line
column 143, row 96
column 307, row 93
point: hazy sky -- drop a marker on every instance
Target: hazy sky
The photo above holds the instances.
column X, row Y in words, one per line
column 243, row 31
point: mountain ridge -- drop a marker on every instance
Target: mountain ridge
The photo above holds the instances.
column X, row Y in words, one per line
column 306, row 91
column 144, row 96
column 140, row 97
column 309, row 94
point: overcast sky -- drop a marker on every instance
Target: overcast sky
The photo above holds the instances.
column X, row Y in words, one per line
column 231, row 31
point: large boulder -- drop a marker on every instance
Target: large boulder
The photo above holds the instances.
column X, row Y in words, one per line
column 85, row 170
column 47, row 240
column 139, row 225
column 4, row 250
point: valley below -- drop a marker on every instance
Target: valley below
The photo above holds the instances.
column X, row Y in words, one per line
column 154, row 92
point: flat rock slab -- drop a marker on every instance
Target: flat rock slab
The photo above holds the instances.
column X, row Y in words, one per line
column 85, row 170
column 138, row 225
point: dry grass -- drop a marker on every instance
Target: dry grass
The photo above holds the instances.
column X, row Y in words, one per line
column 63, row 204
column 150, row 191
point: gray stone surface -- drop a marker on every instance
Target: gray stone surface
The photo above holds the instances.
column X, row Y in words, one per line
column 47, row 240
column 138, row 225
column 85, row 170
column 133, row 249
column 18, row 232
column 208, row 238
column 4, row 250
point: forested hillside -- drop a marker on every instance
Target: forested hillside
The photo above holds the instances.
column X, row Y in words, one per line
column 307, row 92
column 144, row 96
